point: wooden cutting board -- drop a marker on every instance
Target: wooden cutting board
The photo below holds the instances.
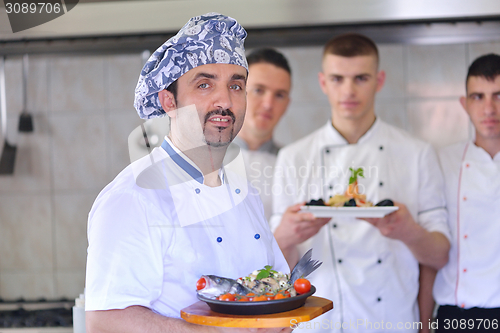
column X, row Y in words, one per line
column 200, row 313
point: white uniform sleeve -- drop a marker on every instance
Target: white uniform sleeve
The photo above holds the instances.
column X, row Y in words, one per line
column 432, row 214
column 124, row 257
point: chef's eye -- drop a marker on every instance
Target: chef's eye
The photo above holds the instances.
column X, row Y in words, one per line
column 362, row 78
column 236, row 87
column 203, row 86
column 336, row 78
column 476, row 97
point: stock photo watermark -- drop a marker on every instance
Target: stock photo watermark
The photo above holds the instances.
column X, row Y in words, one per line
column 25, row 14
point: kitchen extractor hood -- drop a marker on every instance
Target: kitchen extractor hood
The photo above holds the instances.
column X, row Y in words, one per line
column 97, row 23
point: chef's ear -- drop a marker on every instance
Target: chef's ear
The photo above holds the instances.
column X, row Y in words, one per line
column 322, row 82
column 380, row 80
column 167, row 101
column 463, row 101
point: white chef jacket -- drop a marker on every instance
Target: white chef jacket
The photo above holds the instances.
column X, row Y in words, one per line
column 371, row 279
column 472, row 276
column 260, row 167
column 144, row 250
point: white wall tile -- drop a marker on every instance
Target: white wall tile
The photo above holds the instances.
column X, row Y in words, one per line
column 32, row 165
column 77, row 84
column 26, row 233
column 392, row 62
column 79, row 151
column 392, row 111
column 13, row 85
column 30, row 286
column 301, row 119
column 305, row 64
column 440, row 122
column 122, row 74
column 71, row 214
column 478, row 49
column 436, row 70
column 69, row 284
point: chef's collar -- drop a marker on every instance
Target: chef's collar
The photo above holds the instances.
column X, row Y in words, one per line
column 267, row 147
column 185, row 162
column 337, row 137
column 478, row 153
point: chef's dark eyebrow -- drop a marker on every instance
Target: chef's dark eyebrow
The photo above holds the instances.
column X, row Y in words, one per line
column 213, row 76
column 239, row 77
column 204, row 75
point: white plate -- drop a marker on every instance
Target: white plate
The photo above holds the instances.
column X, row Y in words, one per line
column 326, row 211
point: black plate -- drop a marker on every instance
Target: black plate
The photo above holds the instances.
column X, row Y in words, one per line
column 257, row 308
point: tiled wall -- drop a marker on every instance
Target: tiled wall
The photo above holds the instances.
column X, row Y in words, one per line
column 83, row 114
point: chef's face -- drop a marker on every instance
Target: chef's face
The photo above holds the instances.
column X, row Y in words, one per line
column 218, row 93
column 482, row 103
column 268, row 90
column 350, row 84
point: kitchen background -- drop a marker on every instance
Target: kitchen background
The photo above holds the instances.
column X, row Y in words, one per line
column 82, row 105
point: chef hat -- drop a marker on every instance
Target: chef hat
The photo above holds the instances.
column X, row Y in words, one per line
column 207, row 39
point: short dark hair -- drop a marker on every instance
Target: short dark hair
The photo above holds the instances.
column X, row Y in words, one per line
column 173, row 89
column 270, row 56
column 487, row 66
column 351, row 45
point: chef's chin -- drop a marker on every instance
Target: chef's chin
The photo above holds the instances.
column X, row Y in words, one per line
column 219, row 140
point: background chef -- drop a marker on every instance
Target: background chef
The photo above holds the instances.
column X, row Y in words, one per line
column 468, row 286
column 372, row 265
column 268, row 95
column 179, row 212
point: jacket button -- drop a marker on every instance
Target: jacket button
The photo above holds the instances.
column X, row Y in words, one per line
column 219, row 239
column 379, row 299
column 381, row 184
column 197, row 191
column 381, row 147
column 467, row 165
column 465, row 270
column 334, row 225
column 379, row 261
column 237, row 191
column 257, row 236
column 465, row 236
column 340, row 261
column 465, row 198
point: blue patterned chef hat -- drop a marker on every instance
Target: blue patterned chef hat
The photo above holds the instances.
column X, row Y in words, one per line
column 208, row 39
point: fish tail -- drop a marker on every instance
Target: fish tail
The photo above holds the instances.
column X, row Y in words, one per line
column 304, row 267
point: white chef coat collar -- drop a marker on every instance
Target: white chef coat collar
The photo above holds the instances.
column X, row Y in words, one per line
column 336, row 137
column 478, row 153
column 185, row 162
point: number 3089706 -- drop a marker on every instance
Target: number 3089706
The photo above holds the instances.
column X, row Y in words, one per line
column 470, row 324
column 32, row 8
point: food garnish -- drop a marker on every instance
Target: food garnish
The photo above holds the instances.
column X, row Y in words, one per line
column 351, row 197
column 261, row 285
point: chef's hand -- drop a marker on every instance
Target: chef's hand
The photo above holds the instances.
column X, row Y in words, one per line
column 296, row 227
column 397, row 225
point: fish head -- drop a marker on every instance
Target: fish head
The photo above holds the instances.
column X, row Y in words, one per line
column 214, row 286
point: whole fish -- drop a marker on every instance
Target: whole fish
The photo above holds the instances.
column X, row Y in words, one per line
column 216, row 285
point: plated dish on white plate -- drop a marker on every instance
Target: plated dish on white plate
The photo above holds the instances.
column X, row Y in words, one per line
column 355, row 212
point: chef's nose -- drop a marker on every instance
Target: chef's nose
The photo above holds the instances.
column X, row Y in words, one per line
column 223, row 98
column 349, row 88
column 492, row 105
column 267, row 101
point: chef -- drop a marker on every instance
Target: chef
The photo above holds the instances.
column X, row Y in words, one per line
column 268, row 95
column 182, row 211
column 371, row 268
column 467, row 288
